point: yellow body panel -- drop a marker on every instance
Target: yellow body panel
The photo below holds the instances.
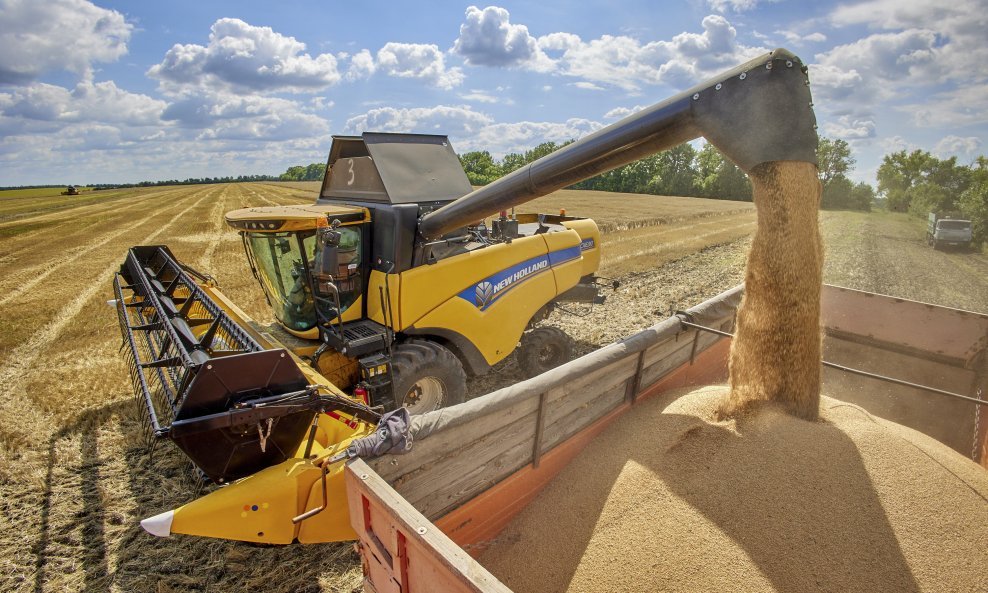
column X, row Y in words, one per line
column 520, row 276
column 260, row 507
column 426, row 287
column 589, row 243
column 375, row 284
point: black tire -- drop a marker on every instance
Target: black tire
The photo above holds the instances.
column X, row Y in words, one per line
column 542, row 349
column 427, row 376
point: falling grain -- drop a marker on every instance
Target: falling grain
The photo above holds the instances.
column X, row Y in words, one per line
column 775, row 355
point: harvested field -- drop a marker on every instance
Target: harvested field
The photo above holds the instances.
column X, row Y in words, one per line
column 74, row 478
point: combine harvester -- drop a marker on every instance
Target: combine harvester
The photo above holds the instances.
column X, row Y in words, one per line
column 391, row 279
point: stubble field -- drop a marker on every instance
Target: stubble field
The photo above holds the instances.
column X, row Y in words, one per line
column 74, row 477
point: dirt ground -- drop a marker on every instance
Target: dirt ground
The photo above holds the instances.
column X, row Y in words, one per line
column 74, row 477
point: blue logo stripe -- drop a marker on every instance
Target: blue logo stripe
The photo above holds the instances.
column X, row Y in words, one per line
column 486, row 292
column 564, row 255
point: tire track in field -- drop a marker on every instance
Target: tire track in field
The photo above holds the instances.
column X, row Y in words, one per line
column 664, row 246
column 216, row 215
column 42, row 271
column 20, row 419
column 630, row 235
column 114, row 211
column 70, row 212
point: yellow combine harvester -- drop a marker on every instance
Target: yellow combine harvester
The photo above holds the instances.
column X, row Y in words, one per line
column 388, row 290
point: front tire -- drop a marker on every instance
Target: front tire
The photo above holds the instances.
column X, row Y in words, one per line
column 426, row 376
column 542, row 349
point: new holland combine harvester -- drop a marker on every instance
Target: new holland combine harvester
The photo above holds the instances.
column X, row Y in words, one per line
column 388, row 291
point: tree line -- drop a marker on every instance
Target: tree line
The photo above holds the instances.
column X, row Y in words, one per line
column 920, row 183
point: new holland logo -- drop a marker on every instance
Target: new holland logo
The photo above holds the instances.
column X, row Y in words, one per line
column 484, row 294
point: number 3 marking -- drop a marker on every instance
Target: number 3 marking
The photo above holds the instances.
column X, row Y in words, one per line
column 352, row 175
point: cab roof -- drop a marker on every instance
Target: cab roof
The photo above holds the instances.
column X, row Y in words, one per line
column 292, row 218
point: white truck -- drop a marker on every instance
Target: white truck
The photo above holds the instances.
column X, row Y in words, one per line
column 946, row 230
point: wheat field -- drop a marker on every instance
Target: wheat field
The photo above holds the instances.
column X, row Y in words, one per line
column 75, row 478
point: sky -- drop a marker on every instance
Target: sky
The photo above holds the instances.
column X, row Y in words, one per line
column 115, row 91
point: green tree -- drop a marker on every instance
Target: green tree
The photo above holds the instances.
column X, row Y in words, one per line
column 480, row 167
column 314, row 172
column 717, row 177
column 973, row 201
column 862, row 197
column 675, row 173
column 834, row 158
column 921, row 183
column 295, row 173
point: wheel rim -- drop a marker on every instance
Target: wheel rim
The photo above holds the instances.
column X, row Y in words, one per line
column 548, row 356
column 427, row 394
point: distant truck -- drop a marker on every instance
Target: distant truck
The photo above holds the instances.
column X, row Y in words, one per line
column 945, row 230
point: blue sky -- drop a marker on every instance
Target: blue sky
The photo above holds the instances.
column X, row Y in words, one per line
column 113, row 91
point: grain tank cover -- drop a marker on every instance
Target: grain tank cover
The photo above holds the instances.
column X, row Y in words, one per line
column 393, row 168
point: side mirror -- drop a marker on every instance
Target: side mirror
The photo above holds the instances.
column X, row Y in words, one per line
column 326, row 252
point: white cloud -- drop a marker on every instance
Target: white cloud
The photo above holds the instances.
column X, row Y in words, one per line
column 723, row 6
column 794, row 38
column 487, row 38
column 967, row 146
column 244, row 117
column 847, row 127
column 441, row 119
column 241, row 57
column 55, row 35
column 960, row 53
column 896, row 144
column 961, row 107
column 619, row 112
column 418, row 60
column 587, row 86
column 628, row 64
column 500, row 139
column 361, row 66
column 480, row 96
column 101, row 102
column 875, row 66
column 468, row 129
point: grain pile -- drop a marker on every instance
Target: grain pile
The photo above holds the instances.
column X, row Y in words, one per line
column 775, row 355
column 670, row 499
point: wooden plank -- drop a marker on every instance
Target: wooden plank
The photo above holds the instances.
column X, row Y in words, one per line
column 539, row 429
column 478, row 461
column 474, row 524
column 478, row 466
column 579, row 417
column 673, row 359
column 635, row 382
column 451, row 440
column 435, row 497
column 430, row 560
